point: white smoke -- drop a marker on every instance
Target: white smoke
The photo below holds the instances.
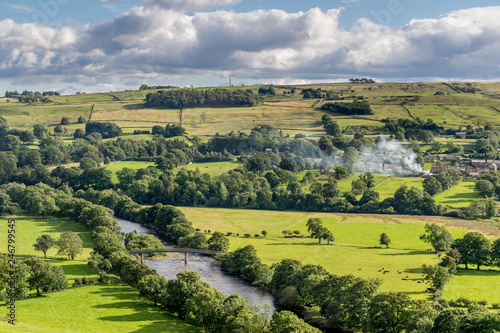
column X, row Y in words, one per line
column 390, row 157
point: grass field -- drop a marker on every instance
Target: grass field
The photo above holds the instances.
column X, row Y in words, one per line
column 134, row 165
column 475, row 285
column 344, row 185
column 388, row 188
column 99, row 308
column 356, row 249
column 28, row 228
column 213, row 169
column 461, row 195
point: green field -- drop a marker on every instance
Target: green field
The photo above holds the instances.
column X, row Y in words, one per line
column 290, row 113
column 213, row 169
column 475, row 285
column 344, row 185
column 134, row 165
column 99, row 308
column 28, row 228
column 356, row 249
column 390, row 187
column 461, row 195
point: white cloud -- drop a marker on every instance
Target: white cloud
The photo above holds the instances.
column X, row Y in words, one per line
column 157, row 42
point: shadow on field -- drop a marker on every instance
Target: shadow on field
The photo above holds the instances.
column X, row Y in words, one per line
column 408, row 253
column 134, row 106
column 475, row 272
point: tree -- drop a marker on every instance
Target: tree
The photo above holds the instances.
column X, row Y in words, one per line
column 70, row 244
column 350, row 158
column 264, row 233
column 44, row 276
column 432, row 186
column 438, row 274
column 436, row 235
column 480, row 322
column 100, row 264
column 87, row 164
column 484, row 188
column 384, row 240
column 6, row 205
column 65, row 121
column 82, row 120
column 495, row 252
column 474, row 248
column 288, row 322
column 44, row 243
column 328, row 236
column 315, row 228
column 40, row 131
column 194, row 241
column 153, row 287
column 218, row 242
column 448, row 320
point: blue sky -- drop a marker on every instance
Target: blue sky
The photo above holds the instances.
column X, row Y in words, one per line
column 102, row 45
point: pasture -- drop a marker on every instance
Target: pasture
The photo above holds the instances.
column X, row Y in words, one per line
column 290, row 113
column 461, row 195
column 213, row 169
column 356, row 249
column 134, row 165
column 112, row 307
column 29, row 228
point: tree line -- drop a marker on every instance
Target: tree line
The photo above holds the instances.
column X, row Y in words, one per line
column 195, row 98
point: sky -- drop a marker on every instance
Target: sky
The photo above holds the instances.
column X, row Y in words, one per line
column 112, row 45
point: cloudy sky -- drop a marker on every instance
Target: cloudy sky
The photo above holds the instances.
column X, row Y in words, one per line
column 103, row 45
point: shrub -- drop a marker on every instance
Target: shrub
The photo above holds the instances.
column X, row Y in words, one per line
column 84, row 281
column 247, row 235
column 77, row 283
column 90, row 281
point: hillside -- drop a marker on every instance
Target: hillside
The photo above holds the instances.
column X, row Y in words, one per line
column 451, row 108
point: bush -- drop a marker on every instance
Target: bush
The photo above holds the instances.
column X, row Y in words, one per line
column 84, row 281
column 257, row 235
column 483, row 303
column 247, row 235
column 229, row 234
column 77, row 283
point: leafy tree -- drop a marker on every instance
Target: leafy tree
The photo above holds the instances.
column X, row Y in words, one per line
column 79, row 134
column 264, row 233
column 288, row 322
column 438, row 274
column 44, row 276
column 448, row 320
column 384, row 240
column 474, row 248
column 82, row 120
column 328, row 236
column 350, row 158
column 218, row 242
column 480, row 322
column 65, row 121
column 153, row 287
column 99, row 263
column 40, row 131
column 436, row 235
column 87, row 164
column 6, row 205
column 432, row 186
column 8, row 166
column 70, row 244
column 136, row 241
column 197, row 240
column 44, row 243
column 205, row 309
column 315, row 228
column 484, row 188
column 495, row 252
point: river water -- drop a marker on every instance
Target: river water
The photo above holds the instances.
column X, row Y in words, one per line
column 206, row 266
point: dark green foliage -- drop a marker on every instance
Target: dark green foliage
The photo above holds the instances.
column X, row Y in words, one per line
column 194, row 241
column 354, row 108
column 218, row 242
column 45, row 277
column 194, row 98
column 475, row 249
column 384, row 240
column 136, row 241
column 245, row 263
column 288, row 322
column 6, row 205
column 107, row 130
column 70, row 244
column 436, row 235
column 44, row 243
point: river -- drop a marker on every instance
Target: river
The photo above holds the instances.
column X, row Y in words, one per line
column 208, row 268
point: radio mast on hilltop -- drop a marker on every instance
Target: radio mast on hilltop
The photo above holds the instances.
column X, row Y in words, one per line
column 230, row 80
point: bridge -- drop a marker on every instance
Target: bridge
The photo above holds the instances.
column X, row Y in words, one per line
column 186, row 251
